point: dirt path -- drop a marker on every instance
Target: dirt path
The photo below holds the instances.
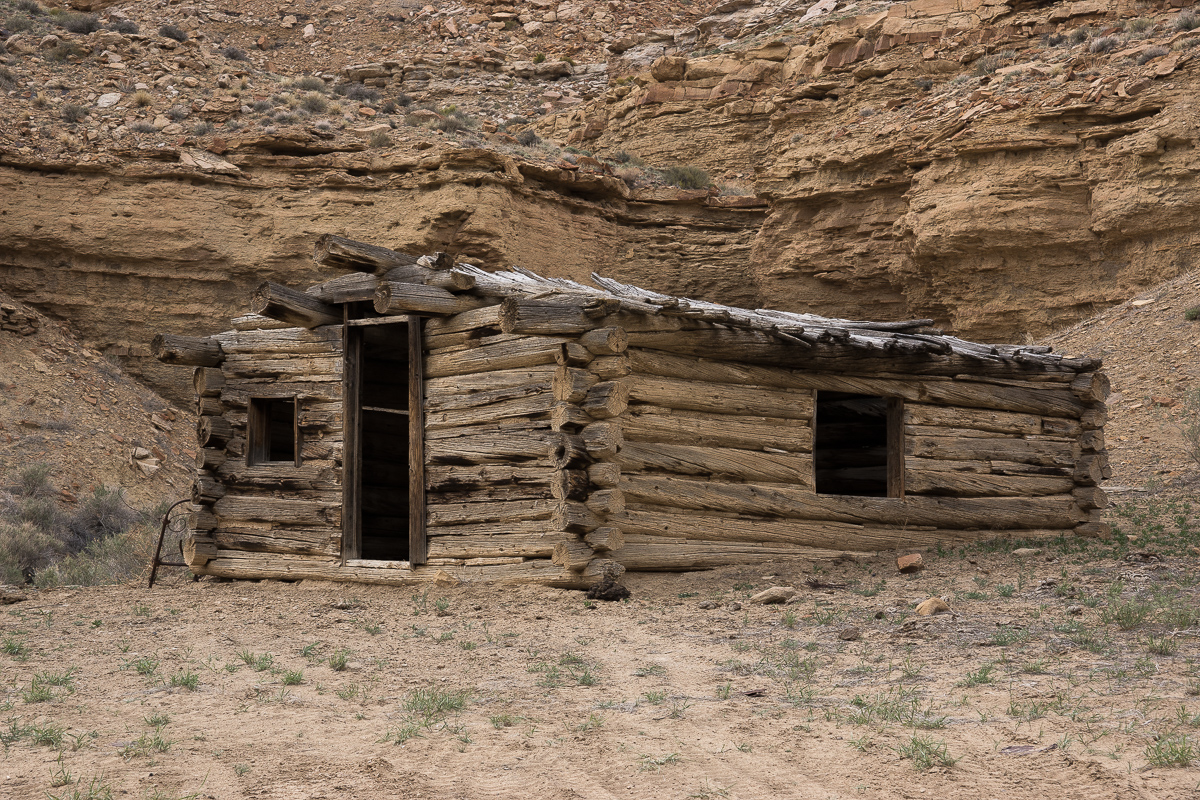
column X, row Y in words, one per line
column 654, row 697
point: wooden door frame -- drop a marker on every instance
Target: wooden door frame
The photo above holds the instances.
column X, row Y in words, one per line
column 352, row 373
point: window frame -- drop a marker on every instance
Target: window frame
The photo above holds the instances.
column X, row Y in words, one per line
column 894, row 438
column 258, row 431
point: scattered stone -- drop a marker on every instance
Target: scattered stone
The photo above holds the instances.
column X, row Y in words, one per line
column 934, row 605
column 776, row 594
column 309, row 31
column 108, row 100
column 708, row 605
column 1027, row 552
column 910, row 563
column 850, row 634
column 733, row 606
column 1075, row 610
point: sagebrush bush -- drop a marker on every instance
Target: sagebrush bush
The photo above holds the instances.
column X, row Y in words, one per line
column 123, row 26
column 380, row 139
column 79, row 23
column 1151, row 53
column 33, row 480
column 1186, row 21
column 18, row 23
column 314, row 102
column 7, row 79
column 310, row 83
column 1104, row 44
column 235, row 54
column 357, row 91
column 686, row 177
column 73, row 112
column 24, row 549
column 31, row 7
column 173, row 32
column 529, row 137
column 103, row 514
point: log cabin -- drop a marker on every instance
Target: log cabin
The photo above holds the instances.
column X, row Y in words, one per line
column 416, row 419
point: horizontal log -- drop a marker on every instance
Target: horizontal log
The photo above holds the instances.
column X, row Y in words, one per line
column 210, row 458
column 1051, row 400
column 571, row 384
column 572, row 553
column 656, row 424
column 446, row 478
column 480, row 445
column 448, row 392
column 337, row 251
column 790, row 468
column 293, row 306
column 201, row 518
column 527, row 527
column 984, row 420
column 570, row 484
column 354, row 287
column 604, row 474
column 1089, row 497
column 1059, row 511
column 317, row 541
column 605, row 538
column 550, row 316
column 500, row 545
column 521, row 353
column 827, row 535
column 394, row 297
column 602, row 439
column 974, row 484
column 302, row 513
column 192, row 351
column 209, row 406
column 535, row 404
column 574, row 517
column 568, row 416
column 279, row 566
column 567, row 450
column 500, row 513
column 208, row 381
column 1091, row 387
column 205, row 489
column 661, row 554
column 314, row 369
column 213, row 431
column 484, row 317
column 198, row 550
column 606, row 399
column 719, row 398
column 605, row 341
column 281, row 342
column 608, row 368
column 1027, row 451
column 1094, row 530
column 256, row 322
column 312, row 474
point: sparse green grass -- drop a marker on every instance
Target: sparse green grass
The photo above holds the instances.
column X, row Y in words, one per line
column 432, row 705
column 185, row 679
column 338, row 660
column 293, row 677
column 925, row 752
column 1172, row 750
column 979, row 677
column 649, row 763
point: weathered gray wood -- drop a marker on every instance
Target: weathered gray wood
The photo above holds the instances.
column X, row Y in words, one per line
column 572, row 553
column 527, row 545
column 567, row 450
column 604, row 474
column 571, row 385
column 608, row 368
column 521, row 353
column 831, row 535
column 895, row 447
column 605, row 341
column 234, row 472
column 574, row 517
column 1027, row 451
column 351, row 288
column 201, row 518
column 719, row 398
column 552, row 316
column 606, row 501
column 395, row 297
column 205, row 489
column 447, row 514
column 1089, row 497
column 568, row 416
column 606, row 400
column 208, row 381
column 1092, row 469
column 456, row 391
column 569, row 484
column 338, row 251
column 292, row 306
column 256, row 322
column 975, row 484
column 981, row 420
column 605, row 538
column 273, row 509
column 481, row 444
column 603, row 440
column 192, row 351
column 790, row 502
column 536, row 404
column 745, row 465
column 573, row 354
column 656, row 424
column 213, row 431
column 484, row 317
column 662, row 554
column 198, row 550
column 317, row 541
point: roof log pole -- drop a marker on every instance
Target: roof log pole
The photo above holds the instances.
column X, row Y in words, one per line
column 293, row 307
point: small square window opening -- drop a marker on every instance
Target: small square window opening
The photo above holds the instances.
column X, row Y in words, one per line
column 273, row 433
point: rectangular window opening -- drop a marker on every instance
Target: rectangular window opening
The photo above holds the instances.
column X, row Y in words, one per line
column 858, row 446
column 273, row 432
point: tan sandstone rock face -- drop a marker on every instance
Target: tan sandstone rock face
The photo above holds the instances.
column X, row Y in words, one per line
column 137, row 249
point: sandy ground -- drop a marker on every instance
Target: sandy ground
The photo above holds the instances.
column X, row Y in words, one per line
column 656, row 696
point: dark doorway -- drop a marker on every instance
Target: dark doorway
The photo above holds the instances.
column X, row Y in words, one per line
column 384, row 494
column 858, row 445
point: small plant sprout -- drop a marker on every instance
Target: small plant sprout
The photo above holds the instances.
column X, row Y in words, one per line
column 339, row 660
